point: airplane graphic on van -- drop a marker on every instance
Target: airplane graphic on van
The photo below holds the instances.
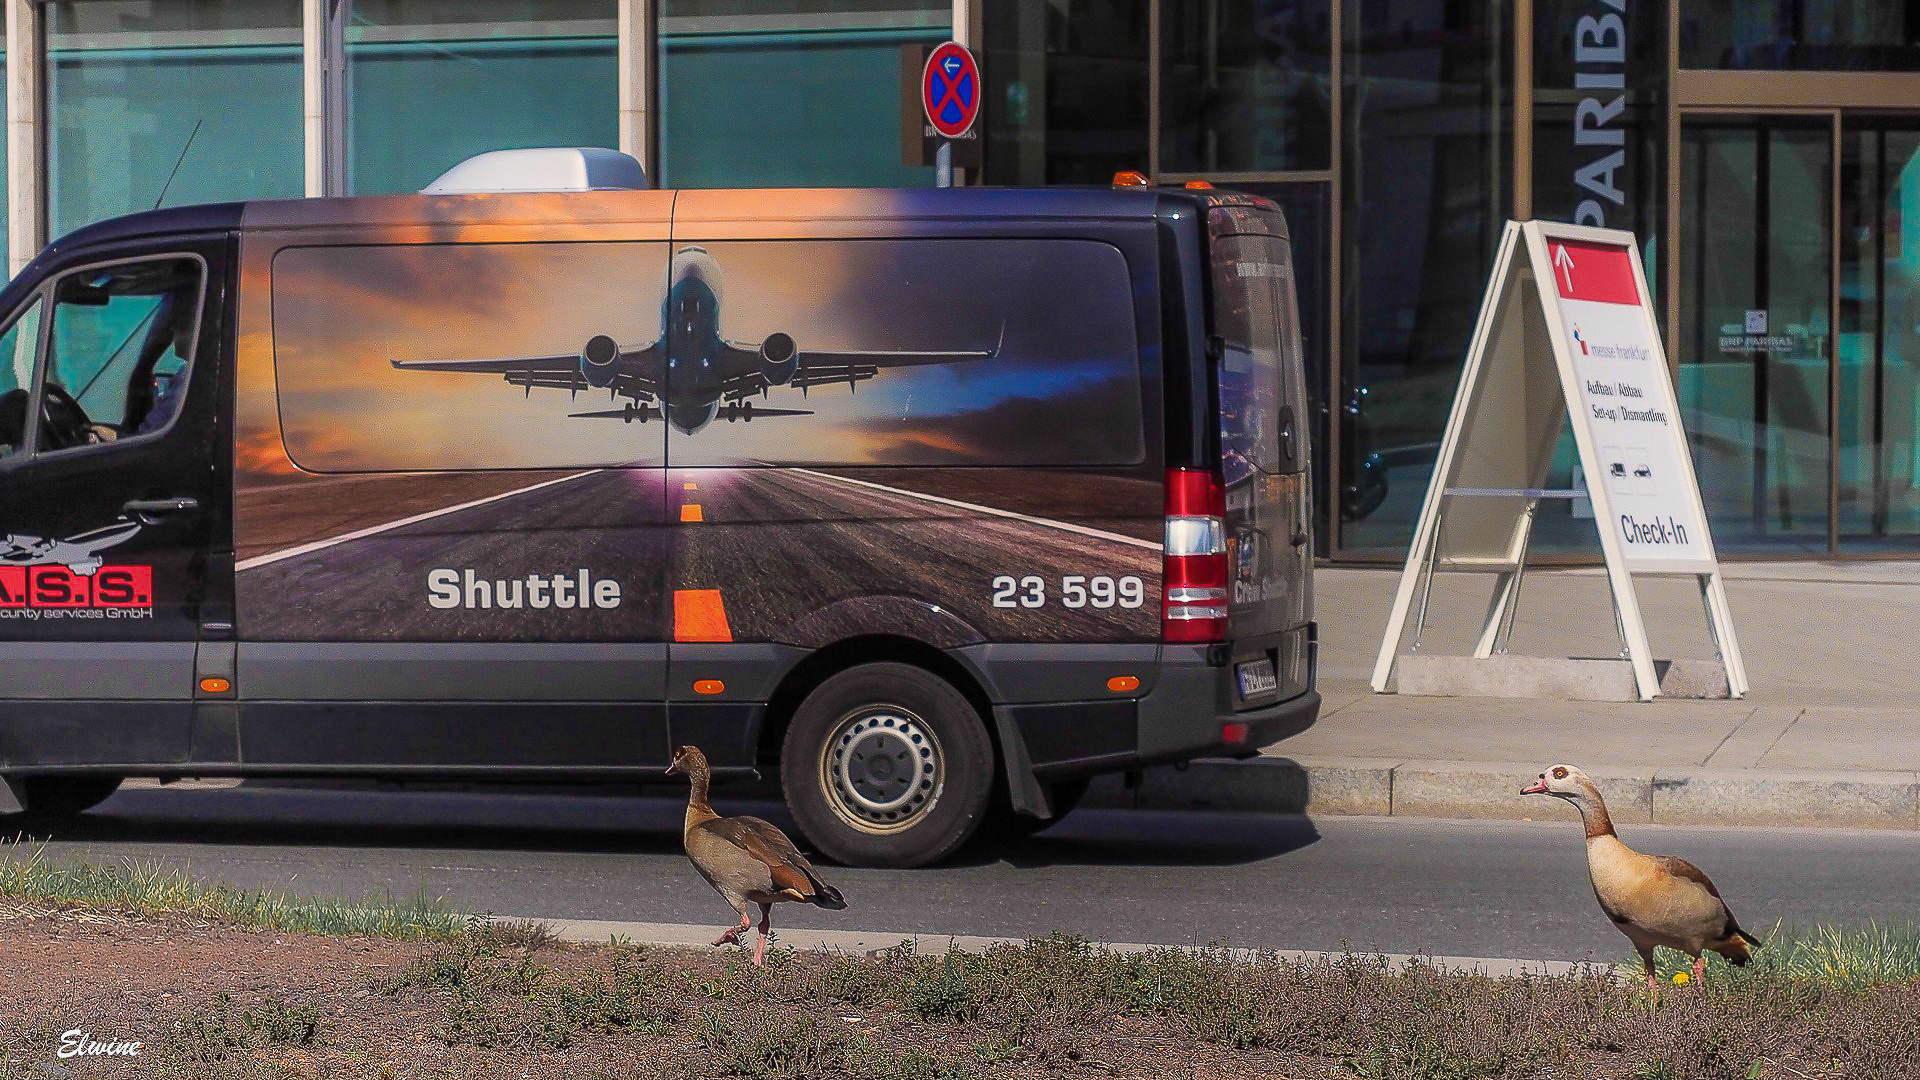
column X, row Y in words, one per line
column 79, row 553
column 691, row 375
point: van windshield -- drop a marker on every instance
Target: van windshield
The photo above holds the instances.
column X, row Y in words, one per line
column 1254, row 316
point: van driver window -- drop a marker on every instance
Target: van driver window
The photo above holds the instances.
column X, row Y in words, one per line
column 118, row 356
column 17, row 344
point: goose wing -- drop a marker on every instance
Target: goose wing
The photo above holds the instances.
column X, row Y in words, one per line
column 765, row 843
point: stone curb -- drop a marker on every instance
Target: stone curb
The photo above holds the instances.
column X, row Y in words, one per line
column 1490, row 791
column 869, row 942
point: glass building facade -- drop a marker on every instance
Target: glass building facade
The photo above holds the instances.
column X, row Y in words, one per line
column 1765, row 152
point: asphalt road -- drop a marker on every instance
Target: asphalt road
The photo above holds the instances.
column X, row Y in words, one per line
column 765, row 547
column 1495, row 889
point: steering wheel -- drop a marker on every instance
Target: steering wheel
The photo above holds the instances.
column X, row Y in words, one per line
column 63, row 423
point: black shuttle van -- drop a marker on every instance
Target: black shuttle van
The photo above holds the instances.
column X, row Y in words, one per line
column 934, row 504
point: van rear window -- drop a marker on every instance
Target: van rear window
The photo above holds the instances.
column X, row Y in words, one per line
column 1261, row 381
column 910, row 352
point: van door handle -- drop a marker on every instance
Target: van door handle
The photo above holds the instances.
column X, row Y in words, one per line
column 149, row 511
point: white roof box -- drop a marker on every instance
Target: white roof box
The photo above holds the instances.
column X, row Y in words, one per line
column 546, row 168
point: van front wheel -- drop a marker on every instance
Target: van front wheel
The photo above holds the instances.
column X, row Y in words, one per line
column 61, row 796
column 887, row 765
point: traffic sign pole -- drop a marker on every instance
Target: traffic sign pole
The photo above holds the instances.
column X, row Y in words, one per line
column 943, row 164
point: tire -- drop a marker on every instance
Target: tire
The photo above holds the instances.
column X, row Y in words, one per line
column 61, row 796
column 1007, row 823
column 887, row 765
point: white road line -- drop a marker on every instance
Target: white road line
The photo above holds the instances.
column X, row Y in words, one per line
column 1063, row 526
column 598, row 931
column 318, row 545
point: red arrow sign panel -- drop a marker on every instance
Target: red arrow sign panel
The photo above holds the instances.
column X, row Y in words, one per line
column 1599, row 272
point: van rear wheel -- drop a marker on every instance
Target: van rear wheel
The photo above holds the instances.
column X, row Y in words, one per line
column 887, row 765
column 61, row 796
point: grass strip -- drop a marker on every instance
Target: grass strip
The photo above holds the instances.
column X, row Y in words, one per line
column 1847, row 957
column 151, row 889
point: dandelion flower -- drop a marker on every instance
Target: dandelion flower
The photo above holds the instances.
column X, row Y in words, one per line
column 1681, row 978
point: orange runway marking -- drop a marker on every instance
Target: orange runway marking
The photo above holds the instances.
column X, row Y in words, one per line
column 691, row 512
column 700, row 615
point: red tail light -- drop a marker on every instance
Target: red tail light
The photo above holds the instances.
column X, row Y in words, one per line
column 1194, row 608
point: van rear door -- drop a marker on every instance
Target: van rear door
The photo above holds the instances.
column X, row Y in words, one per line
column 1261, row 385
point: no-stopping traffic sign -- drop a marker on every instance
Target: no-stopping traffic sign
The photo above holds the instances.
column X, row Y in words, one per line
column 950, row 90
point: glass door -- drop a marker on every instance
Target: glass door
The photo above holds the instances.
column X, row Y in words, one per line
column 1755, row 339
column 1878, row 409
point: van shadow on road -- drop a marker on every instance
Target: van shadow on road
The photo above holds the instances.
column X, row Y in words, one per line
column 367, row 817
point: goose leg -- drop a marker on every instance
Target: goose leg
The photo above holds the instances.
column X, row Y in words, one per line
column 1700, row 970
column 1646, row 961
column 766, row 926
column 732, row 934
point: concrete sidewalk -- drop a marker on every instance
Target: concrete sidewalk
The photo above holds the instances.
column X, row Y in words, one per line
column 1829, row 736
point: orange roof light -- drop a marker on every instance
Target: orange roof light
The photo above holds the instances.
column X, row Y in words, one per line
column 213, row 684
column 709, row 687
column 1123, row 684
column 1199, row 185
column 1130, row 178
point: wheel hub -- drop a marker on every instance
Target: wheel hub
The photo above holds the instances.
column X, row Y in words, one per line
column 884, row 768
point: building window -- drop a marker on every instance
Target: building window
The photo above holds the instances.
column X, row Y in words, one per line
column 1427, row 188
column 805, row 97
column 431, row 84
column 1067, row 90
column 138, row 87
column 1802, row 35
column 1245, row 87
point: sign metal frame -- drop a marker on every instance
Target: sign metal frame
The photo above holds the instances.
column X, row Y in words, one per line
column 1524, row 262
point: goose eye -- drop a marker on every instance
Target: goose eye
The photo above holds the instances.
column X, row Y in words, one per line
column 1559, row 774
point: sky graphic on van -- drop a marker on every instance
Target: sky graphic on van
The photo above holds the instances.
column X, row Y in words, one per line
column 872, row 351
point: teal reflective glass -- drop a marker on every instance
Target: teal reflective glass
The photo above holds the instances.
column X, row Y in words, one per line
column 806, row 97
column 1068, row 87
column 1879, row 340
column 1802, row 35
column 1246, row 86
column 1427, row 182
column 434, row 85
column 138, row 87
column 1755, row 293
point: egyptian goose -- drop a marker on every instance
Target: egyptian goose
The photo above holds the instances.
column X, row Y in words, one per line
column 745, row 859
column 1653, row 899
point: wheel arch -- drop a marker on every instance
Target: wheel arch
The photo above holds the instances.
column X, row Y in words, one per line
column 828, row 661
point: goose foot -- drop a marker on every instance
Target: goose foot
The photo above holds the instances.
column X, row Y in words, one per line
column 731, row 936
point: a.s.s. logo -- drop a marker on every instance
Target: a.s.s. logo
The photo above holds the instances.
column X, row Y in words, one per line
column 57, row 576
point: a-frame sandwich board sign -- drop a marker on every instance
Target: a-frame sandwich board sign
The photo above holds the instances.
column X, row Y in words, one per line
column 1575, row 296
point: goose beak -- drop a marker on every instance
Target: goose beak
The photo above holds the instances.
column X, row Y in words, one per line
column 1538, row 787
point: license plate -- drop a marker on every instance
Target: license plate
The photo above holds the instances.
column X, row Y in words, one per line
column 1257, row 677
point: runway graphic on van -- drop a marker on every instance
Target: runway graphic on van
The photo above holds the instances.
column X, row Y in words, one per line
column 772, row 551
column 690, row 375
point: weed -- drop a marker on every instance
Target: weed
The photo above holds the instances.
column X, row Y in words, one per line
column 275, row 1021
